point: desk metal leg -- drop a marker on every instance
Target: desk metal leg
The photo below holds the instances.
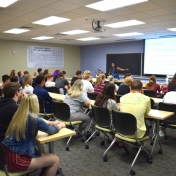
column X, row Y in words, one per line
column 51, row 147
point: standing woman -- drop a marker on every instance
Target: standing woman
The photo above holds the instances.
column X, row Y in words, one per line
column 12, row 73
column 19, row 142
column 114, row 71
column 27, row 84
column 75, row 98
column 99, row 85
column 152, row 85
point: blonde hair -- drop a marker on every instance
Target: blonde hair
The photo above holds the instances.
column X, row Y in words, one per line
column 110, row 78
column 86, row 74
column 17, row 126
column 100, row 79
column 128, row 81
column 12, row 73
column 27, row 80
column 76, row 89
column 35, row 73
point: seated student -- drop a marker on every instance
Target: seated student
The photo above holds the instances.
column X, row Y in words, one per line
column 45, row 72
column 111, row 80
column 42, row 93
column 27, row 84
column 99, row 85
column 14, row 79
column 55, row 75
column 64, row 73
column 172, row 84
column 87, row 85
column 76, row 77
column 125, row 88
column 62, row 83
column 49, row 82
column 152, row 85
column 75, row 98
column 21, row 76
column 8, row 105
column 127, row 75
column 5, row 80
column 39, row 70
column 137, row 104
column 34, row 77
column 20, row 136
column 12, row 73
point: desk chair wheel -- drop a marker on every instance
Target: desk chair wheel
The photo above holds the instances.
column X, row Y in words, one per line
column 160, row 151
column 98, row 133
column 151, row 143
column 82, row 140
column 132, row 172
column 102, row 142
column 67, row 148
column 86, row 147
column 150, row 159
column 105, row 158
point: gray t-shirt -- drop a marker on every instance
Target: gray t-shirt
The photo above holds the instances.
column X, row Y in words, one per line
column 111, row 105
column 75, row 103
column 60, row 82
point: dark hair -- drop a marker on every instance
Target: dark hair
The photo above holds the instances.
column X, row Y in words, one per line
column 26, row 72
column 127, row 74
column 64, row 72
column 173, row 82
column 152, row 82
column 5, row 78
column 39, row 70
column 14, row 79
column 10, row 89
column 39, row 79
column 107, row 93
column 45, row 72
column 78, row 72
column 60, row 74
column 19, row 73
column 136, row 85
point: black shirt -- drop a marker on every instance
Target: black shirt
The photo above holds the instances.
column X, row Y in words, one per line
column 74, row 79
column 170, row 88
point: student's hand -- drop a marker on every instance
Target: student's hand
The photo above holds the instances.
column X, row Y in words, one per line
column 22, row 94
column 55, row 123
column 127, row 69
column 61, row 125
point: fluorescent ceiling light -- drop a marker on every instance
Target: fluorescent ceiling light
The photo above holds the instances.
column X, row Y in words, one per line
column 124, row 24
column 112, row 4
column 128, row 34
column 89, row 38
column 5, row 3
column 51, row 20
column 74, row 32
column 172, row 29
column 16, row 31
column 42, row 38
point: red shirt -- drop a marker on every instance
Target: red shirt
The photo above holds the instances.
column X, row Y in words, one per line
column 155, row 88
column 99, row 89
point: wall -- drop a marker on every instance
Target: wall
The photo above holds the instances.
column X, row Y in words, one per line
column 8, row 61
column 94, row 56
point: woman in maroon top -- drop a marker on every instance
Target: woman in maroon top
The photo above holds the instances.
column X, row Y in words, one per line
column 152, row 85
column 99, row 83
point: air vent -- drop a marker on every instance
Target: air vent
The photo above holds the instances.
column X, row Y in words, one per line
column 26, row 27
column 167, row 36
column 67, row 39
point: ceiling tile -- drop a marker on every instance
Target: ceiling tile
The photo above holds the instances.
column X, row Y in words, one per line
column 35, row 16
column 168, row 17
column 81, row 2
column 157, row 12
column 161, row 23
column 173, row 8
column 70, row 15
column 84, row 11
column 122, row 11
column 165, row 3
column 48, row 11
column 150, row 20
column 39, row 2
column 13, row 12
column 137, row 15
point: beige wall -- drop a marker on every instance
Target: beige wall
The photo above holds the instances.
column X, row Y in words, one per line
column 18, row 61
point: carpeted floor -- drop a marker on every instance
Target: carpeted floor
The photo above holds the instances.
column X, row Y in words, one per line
column 88, row 162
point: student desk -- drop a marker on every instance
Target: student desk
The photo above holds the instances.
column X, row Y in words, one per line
column 157, row 100
column 43, row 138
column 158, row 115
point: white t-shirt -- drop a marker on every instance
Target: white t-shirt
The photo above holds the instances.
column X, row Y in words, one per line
column 87, row 86
column 28, row 89
column 49, row 84
column 170, row 97
column 116, row 87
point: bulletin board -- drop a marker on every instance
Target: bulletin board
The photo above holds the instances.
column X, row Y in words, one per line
column 44, row 56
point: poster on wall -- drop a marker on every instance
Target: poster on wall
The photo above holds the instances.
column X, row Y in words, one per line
column 45, row 57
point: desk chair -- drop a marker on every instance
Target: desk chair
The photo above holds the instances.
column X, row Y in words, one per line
column 49, row 89
column 55, row 90
column 118, row 98
column 171, row 121
column 102, row 120
column 123, row 89
column 42, row 110
column 149, row 93
column 92, row 96
column 125, row 124
column 3, row 166
column 61, row 112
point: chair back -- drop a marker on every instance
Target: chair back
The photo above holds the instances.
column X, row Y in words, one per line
column 41, row 105
column 118, row 98
column 123, row 89
column 3, row 165
column 149, row 93
column 171, row 108
column 0, row 92
column 92, row 96
column 152, row 103
column 55, row 90
column 49, row 89
column 61, row 110
column 101, row 116
column 124, row 123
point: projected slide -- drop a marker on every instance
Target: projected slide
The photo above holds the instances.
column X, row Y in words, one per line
column 160, row 56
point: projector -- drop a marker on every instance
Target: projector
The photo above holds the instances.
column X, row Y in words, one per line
column 96, row 26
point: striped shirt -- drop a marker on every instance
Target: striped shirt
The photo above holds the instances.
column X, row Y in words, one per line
column 99, row 89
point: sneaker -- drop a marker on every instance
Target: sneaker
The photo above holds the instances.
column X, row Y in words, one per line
column 162, row 133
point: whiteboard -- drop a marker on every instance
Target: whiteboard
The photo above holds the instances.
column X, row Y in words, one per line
column 44, row 56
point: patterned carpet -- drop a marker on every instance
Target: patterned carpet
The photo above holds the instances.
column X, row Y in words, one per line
column 88, row 162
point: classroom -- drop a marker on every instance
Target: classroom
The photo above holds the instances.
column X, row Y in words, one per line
column 95, row 38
